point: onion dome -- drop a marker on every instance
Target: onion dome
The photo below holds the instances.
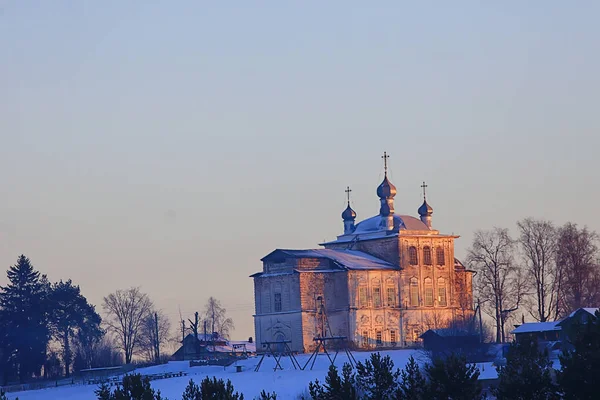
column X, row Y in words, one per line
column 349, row 214
column 387, row 189
column 425, row 210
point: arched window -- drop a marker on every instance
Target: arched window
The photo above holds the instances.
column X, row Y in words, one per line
column 442, row 292
column 427, row 255
column 414, row 292
column 428, row 290
column 440, row 256
column 412, row 256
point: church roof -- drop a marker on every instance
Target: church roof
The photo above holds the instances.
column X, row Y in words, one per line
column 401, row 222
column 348, row 259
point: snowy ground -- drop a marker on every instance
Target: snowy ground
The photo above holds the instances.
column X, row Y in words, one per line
column 288, row 384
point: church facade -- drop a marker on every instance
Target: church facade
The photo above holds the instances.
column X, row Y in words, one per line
column 382, row 283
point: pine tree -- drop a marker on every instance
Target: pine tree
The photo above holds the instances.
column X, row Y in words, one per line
column 578, row 377
column 452, row 378
column 70, row 312
column 527, row 374
column 267, row 396
column 103, row 392
column 218, row 389
column 24, row 307
column 376, row 378
column 192, row 392
column 412, row 384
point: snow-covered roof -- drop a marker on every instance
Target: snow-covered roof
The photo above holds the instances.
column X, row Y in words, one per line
column 349, row 259
column 590, row 310
column 537, row 327
column 234, row 346
column 401, row 222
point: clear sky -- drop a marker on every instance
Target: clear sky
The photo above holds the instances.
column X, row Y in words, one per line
column 172, row 144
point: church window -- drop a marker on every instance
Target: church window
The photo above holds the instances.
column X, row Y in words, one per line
column 428, row 290
column 391, row 297
column 440, row 256
column 277, row 302
column 378, row 338
column 365, row 338
column 362, row 296
column 414, row 292
column 412, row 255
column 427, row 255
column 376, row 297
column 442, row 292
column 393, row 337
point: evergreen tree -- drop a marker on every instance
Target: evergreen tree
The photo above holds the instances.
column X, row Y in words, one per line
column 103, row 392
column 192, row 392
column 24, row 307
column 376, row 378
column 267, row 396
column 5, row 367
column 578, row 377
column 335, row 387
column 412, row 384
column 133, row 387
column 527, row 374
column 452, row 378
column 70, row 313
column 218, row 389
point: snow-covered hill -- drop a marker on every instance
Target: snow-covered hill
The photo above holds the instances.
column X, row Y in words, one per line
column 288, row 384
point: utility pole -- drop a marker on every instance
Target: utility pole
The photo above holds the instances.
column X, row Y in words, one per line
column 157, row 344
column 183, row 337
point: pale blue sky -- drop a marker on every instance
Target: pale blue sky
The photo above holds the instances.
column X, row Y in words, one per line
column 170, row 145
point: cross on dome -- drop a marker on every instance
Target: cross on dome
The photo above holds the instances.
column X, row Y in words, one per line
column 424, row 186
column 385, row 157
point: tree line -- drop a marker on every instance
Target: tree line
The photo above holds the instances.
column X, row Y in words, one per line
column 48, row 330
column 546, row 272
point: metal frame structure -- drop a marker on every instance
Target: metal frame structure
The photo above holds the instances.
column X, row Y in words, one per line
column 278, row 355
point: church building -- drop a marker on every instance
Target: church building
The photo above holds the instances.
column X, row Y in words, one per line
column 382, row 283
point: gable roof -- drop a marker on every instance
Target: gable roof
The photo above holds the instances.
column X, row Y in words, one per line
column 529, row 327
column 347, row 259
column 589, row 310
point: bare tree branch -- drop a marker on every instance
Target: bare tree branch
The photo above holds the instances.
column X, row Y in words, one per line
column 126, row 310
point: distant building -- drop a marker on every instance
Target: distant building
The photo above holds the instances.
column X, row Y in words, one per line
column 211, row 346
column 382, row 283
column 553, row 331
column 449, row 339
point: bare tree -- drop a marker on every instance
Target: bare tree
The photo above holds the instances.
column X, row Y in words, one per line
column 538, row 243
column 216, row 318
column 498, row 280
column 577, row 257
column 126, row 311
column 154, row 333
